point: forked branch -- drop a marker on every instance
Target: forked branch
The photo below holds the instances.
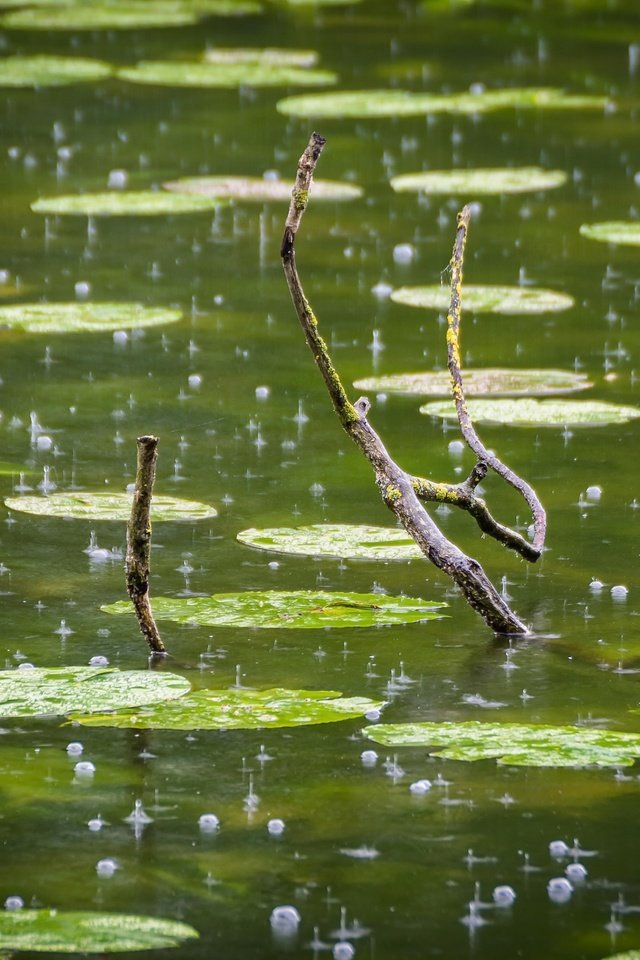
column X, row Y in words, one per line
column 401, row 492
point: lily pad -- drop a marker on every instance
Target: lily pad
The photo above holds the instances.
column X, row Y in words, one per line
column 539, row 413
column 43, row 71
column 59, row 931
column 340, row 540
column 479, row 181
column 485, row 298
column 518, row 744
column 401, row 103
column 625, row 232
column 478, row 382
column 114, row 15
column 76, row 317
column 60, row 690
column 100, row 505
column 172, row 73
column 125, row 203
column 266, row 56
column 238, row 709
column 300, row 609
column 259, row 189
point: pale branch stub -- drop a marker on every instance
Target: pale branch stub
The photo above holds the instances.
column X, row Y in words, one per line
column 400, row 491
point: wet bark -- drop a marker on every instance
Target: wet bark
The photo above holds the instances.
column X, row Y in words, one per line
column 137, row 562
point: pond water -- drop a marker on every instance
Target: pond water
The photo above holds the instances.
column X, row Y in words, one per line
column 245, row 425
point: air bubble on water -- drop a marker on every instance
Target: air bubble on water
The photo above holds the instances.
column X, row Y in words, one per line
column 594, row 493
column 619, row 592
column 14, row 903
column 284, row 920
column 208, row 823
column 82, row 289
column 316, row 489
column 195, row 381
column 343, row 950
column 404, row 253
column 420, row 787
column 456, row 448
column 276, row 827
column 84, row 768
column 74, row 749
column 369, row 758
column 96, row 824
column 576, row 872
column 559, row 890
column 262, row 393
column 117, row 179
column 99, row 661
column 596, row 585
column 106, row 867
column 559, row 849
column 503, row 895
column 44, row 443
column 120, row 337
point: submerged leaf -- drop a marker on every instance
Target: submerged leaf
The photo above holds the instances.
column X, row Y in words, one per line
column 44, row 71
column 74, row 317
column 171, row 73
column 61, row 690
column 341, row 540
column 266, row 56
column 477, row 382
column 486, row 298
column 300, row 609
column 238, row 709
column 540, row 413
column 259, row 189
column 113, row 15
column 519, row 744
column 124, row 203
column 59, row 931
column 402, row 103
column 100, row 505
column 613, row 231
column 478, row 181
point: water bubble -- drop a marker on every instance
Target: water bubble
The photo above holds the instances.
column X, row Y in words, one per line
column 404, row 253
column 195, row 381
column 420, row 786
column 559, row 890
column 84, row 768
column 343, row 950
column 262, row 393
column 120, row 337
column 382, row 290
column 373, row 714
column 208, row 823
column 99, row 661
column 503, row 895
column 117, row 179
column 14, row 903
column 593, row 493
column 369, row 758
column 106, row 867
column 619, row 592
column 26, row 666
column 74, row 749
column 82, row 289
column 276, row 827
column 456, row 448
column 558, row 848
column 44, row 443
column 96, row 824
column 284, row 920
column 596, row 586
column 576, row 872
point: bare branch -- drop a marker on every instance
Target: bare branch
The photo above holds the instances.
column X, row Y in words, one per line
column 466, row 426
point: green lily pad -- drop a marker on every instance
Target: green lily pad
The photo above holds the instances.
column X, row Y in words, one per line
column 480, row 181
column 76, row 317
column 265, row 56
column 125, row 203
column 485, row 298
column 239, row 710
column 518, row 744
column 627, row 955
column 59, row 931
column 478, row 382
column 114, row 15
column 207, row 75
column 60, row 690
column 538, row 413
column 300, row 609
column 100, row 505
column 401, row 103
column 613, row 231
column 258, row 189
column 43, row 71
column 341, row 540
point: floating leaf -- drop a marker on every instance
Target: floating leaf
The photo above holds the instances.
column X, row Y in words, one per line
column 541, row 413
column 100, row 505
column 401, row 103
column 266, row 56
column 173, row 73
column 256, row 188
column 478, row 382
column 239, row 710
column 58, row 931
column 613, row 231
column 113, row 15
column 519, row 744
column 124, row 203
column 485, row 298
column 301, row 609
column 75, row 317
column 319, row 3
column 43, row 71
column 61, row 690
column 478, row 181
column 341, row 540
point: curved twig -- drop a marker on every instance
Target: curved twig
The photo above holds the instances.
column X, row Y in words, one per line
column 466, row 426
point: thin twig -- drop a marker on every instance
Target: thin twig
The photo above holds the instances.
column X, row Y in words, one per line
column 396, row 487
column 139, row 543
column 466, row 426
